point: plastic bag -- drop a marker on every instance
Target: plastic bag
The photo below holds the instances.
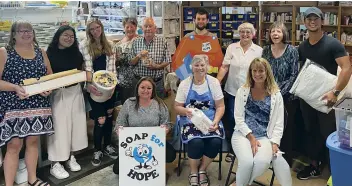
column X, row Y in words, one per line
column 201, row 121
column 312, row 83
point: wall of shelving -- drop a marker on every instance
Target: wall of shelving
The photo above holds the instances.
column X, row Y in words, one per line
column 290, row 12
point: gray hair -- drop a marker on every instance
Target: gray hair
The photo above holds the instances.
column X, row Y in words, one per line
column 247, row 26
column 130, row 20
column 200, row 58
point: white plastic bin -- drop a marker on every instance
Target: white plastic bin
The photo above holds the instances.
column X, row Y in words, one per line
column 106, row 91
column 21, row 175
column 343, row 114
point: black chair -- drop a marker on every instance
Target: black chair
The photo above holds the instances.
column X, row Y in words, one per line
column 227, row 183
column 182, row 150
column 271, row 168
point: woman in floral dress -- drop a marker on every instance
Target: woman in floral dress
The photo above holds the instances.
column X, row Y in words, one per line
column 24, row 118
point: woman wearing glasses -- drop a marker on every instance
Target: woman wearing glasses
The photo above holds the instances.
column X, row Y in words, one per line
column 25, row 118
column 236, row 63
column 67, row 105
column 98, row 55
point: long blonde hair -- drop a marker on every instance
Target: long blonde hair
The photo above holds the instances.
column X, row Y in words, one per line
column 93, row 48
column 270, row 84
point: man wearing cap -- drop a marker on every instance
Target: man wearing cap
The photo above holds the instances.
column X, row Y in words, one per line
column 330, row 53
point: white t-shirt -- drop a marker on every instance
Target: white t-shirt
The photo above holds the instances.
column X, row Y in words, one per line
column 184, row 86
column 239, row 63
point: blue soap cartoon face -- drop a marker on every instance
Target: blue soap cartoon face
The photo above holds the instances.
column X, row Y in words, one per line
column 143, row 154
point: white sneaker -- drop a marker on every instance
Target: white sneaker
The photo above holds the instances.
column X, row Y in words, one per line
column 73, row 165
column 58, row 171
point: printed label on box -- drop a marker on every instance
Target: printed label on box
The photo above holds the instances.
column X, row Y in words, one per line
column 206, row 47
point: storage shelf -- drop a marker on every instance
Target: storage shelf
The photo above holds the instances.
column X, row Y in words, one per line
column 172, row 18
column 346, row 26
column 116, row 16
column 276, row 5
column 273, row 22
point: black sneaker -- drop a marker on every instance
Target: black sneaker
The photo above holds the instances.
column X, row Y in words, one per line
column 97, row 158
column 111, row 152
column 308, row 172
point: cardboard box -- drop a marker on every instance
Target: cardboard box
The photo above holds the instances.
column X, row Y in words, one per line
column 305, row 3
column 249, row 3
column 53, row 81
column 194, row 3
column 233, row 3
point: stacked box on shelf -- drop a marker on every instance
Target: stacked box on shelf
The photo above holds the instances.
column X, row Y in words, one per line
column 188, row 14
column 213, row 26
column 227, row 26
column 227, row 17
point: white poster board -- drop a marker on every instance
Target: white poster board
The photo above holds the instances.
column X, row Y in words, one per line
column 142, row 156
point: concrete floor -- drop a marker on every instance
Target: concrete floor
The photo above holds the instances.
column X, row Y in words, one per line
column 108, row 178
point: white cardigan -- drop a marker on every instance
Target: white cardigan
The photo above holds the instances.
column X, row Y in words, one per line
column 276, row 120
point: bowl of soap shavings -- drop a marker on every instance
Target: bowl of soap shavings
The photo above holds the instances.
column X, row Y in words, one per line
column 105, row 82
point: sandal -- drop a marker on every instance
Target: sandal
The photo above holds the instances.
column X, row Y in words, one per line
column 38, row 182
column 229, row 157
column 206, row 180
column 193, row 183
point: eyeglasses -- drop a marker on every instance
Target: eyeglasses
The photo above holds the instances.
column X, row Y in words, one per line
column 245, row 32
column 68, row 37
column 25, row 32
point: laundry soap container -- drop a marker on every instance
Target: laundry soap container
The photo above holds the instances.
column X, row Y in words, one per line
column 201, row 121
column 22, row 174
column 105, row 82
column 340, row 161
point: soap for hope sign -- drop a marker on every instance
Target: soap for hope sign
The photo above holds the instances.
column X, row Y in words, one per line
column 142, row 156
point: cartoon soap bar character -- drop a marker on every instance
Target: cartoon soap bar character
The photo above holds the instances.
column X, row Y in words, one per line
column 142, row 154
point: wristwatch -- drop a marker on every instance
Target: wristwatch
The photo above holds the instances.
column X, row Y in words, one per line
column 336, row 92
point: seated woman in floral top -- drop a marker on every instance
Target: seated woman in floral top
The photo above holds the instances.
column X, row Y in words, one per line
column 259, row 115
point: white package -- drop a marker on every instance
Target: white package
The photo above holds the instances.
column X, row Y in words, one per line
column 201, row 121
column 312, row 83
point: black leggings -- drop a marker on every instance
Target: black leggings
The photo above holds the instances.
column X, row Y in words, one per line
column 105, row 129
column 208, row 147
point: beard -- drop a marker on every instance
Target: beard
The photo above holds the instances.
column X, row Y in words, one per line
column 200, row 28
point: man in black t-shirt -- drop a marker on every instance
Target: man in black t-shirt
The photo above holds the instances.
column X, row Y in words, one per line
column 330, row 53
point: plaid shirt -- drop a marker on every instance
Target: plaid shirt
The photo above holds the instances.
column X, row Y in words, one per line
column 157, row 50
column 110, row 60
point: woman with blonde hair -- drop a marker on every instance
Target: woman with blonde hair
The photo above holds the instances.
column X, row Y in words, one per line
column 24, row 118
column 236, row 63
column 98, row 55
column 259, row 115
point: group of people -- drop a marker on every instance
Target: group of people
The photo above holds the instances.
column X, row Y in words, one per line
column 260, row 111
column 61, row 114
column 257, row 96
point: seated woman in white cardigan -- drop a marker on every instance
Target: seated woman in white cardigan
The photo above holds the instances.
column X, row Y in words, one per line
column 259, row 115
